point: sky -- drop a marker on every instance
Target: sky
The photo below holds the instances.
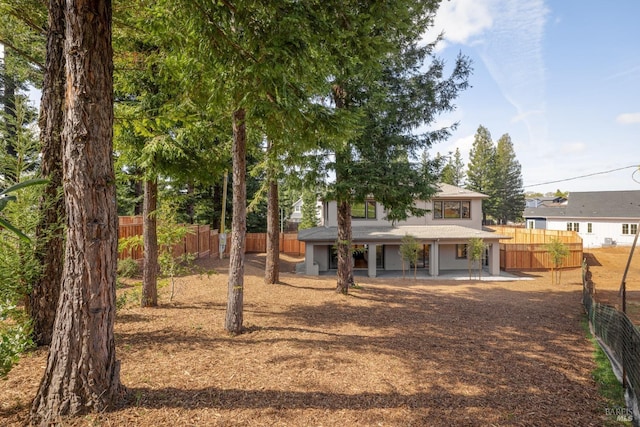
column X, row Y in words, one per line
column 561, row 77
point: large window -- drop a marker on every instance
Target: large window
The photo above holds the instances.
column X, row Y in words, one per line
column 452, row 209
column 366, row 210
column 629, row 228
column 573, row 226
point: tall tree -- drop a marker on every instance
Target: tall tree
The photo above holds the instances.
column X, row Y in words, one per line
column 255, row 67
column 453, row 170
column 82, row 372
column 381, row 81
column 272, row 265
column 309, row 209
column 481, row 172
column 509, row 188
column 50, row 231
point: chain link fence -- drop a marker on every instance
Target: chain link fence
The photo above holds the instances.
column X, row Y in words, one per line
column 619, row 338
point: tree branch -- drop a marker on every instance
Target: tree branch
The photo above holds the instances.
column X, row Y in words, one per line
column 23, row 54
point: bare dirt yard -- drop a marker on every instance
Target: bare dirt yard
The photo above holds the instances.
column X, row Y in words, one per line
column 395, row 352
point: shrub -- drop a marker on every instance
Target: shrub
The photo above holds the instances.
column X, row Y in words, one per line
column 128, row 267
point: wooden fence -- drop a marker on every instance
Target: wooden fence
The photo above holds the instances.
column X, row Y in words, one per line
column 526, row 250
column 203, row 242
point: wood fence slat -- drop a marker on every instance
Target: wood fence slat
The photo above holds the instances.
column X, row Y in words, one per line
column 204, row 242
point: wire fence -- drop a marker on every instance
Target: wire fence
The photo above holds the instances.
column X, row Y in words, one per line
column 620, row 337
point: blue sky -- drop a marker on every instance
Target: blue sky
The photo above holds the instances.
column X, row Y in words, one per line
column 562, row 78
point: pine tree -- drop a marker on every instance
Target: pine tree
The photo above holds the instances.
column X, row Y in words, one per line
column 453, row 171
column 481, row 172
column 309, row 210
column 510, row 201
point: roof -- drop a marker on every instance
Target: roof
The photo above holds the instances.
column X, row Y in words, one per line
column 387, row 234
column 593, row 204
column 447, row 191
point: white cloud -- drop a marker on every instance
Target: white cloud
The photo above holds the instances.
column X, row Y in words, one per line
column 508, row 37
column 463, row 20
column 628, row 118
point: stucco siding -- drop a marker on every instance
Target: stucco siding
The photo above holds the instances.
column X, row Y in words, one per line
column 321, row 257
column 448, row 259
column 392, row 259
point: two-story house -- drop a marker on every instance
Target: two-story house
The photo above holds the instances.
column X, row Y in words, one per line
column 454, row 217
column 601, row 218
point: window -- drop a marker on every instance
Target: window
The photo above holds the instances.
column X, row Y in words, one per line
column 461, row 251
column 366, row 210
column 449, row 209
column 296, row 208
column 629, row 228
column 573, row 226
column 589, row 227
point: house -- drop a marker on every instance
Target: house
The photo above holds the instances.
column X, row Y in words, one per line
column 537, row 202
column 295, row 218
column 296, row 211
column 454, row 216
column 601, row 218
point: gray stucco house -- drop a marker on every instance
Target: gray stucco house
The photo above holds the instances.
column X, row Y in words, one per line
column 454, row 217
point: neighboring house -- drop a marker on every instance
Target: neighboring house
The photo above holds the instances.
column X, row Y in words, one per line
column 296, row 213
column 454, row 217
column 601, row 218
column 538, row 202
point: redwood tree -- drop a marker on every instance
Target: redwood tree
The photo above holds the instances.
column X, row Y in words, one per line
column 82, row 372
column 50, row 230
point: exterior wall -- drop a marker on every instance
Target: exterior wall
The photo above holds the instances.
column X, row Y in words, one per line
column 321, row 256
column 331, row 213
column 448, row 259
column 392, row 259
column 600, row 230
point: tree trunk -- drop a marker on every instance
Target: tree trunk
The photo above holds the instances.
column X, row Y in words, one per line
column 43, row 299
column 233, row 320
column 345, row 268
column 82, row 372
column 150, row 245
column 272, row 267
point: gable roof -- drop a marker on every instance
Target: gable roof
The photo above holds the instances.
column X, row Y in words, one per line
column 593, row 204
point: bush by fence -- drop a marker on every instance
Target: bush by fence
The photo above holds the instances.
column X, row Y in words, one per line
column 526, row 250
column 621, row 338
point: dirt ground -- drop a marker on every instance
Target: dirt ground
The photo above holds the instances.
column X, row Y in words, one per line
column 392, row 353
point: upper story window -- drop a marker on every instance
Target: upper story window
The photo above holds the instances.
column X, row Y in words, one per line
column 452, row 209
column 366, row 210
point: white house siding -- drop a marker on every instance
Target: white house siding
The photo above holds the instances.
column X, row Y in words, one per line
column 600, row 230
